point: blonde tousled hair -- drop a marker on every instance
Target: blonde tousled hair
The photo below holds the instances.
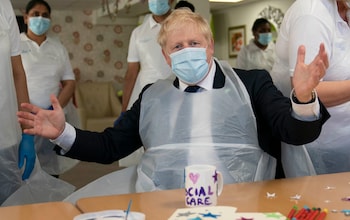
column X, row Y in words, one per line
column 182, row 17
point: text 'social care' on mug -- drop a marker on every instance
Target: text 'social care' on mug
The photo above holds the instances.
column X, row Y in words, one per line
column 203, row 185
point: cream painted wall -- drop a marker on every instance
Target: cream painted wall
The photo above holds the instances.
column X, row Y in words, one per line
column 202, row 7
column 98, row 51
column 236, row 16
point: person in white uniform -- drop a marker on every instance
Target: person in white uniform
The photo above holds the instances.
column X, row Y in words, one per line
column 311, row 22
column 48, row 71
column 146, row 63
column 260, row 52
column 38, row 186
column 14, row 148
column 218, row 125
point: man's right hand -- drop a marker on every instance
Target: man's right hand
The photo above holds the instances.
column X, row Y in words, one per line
column 46, row 123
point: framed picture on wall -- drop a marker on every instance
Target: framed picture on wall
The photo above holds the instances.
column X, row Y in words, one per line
column 236, row 39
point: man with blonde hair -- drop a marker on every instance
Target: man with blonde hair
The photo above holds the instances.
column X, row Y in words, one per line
column 207, row 115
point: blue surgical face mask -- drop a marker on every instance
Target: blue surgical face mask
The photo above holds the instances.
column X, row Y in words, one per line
column 265, row 38
column 39, row 25
column 190, row 64
column 158, row 7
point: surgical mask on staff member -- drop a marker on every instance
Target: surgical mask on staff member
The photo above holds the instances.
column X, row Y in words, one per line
column 39, row 25
column 265, row 38
column 158, row 7
column 190, row 64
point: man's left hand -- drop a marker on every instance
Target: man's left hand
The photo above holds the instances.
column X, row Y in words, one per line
column 307, row 77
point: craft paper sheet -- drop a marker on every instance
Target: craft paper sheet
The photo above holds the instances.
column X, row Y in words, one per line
column 222, row 213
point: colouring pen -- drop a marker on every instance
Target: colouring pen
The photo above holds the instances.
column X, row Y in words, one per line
column 301, row 213
column 305, row 214
column 313, row 214
column 292, row 212
column 128, row 209
column 322, row 215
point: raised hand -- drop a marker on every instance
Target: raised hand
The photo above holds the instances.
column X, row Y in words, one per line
column 307, row 77
column 47, row 123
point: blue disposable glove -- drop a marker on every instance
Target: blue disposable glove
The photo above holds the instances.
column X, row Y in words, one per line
column 118, row 119
column 26, row 151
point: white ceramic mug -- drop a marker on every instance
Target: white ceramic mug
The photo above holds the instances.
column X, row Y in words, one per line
column 203, row 185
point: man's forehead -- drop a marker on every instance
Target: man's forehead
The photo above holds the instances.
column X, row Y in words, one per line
column 185, row 33
column 185, row 26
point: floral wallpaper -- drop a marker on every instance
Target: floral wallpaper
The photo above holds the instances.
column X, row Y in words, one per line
column 97, row 52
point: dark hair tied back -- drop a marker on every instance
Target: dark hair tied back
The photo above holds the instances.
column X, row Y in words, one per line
column 31, row 4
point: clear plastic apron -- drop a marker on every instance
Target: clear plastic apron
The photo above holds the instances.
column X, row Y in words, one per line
column 215, row 127
column 51, row 162
column 330, row 152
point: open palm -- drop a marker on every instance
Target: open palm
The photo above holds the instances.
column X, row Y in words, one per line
column 47, row 123
column 307, row 76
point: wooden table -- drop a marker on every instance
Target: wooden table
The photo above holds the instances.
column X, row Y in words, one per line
column 323, row 191
column 40, row 211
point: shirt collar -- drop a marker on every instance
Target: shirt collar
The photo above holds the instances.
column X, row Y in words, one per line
column 24, row 37
column 152, row 22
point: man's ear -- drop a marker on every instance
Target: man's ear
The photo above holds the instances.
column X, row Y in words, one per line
column 211, row 46
column 167, row 57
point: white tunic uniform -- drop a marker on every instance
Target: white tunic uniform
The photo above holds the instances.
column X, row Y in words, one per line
column 10, row 132
column 46, row 66
column 252, row 57
column 144, row 48
column 40, row 187
column 309, row 23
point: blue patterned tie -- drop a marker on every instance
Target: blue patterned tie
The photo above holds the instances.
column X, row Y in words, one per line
column 192, row 89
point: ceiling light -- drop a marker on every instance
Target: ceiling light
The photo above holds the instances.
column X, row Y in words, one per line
column 226, row 1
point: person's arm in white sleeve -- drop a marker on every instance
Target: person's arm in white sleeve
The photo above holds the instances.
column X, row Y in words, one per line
column 132, row 71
